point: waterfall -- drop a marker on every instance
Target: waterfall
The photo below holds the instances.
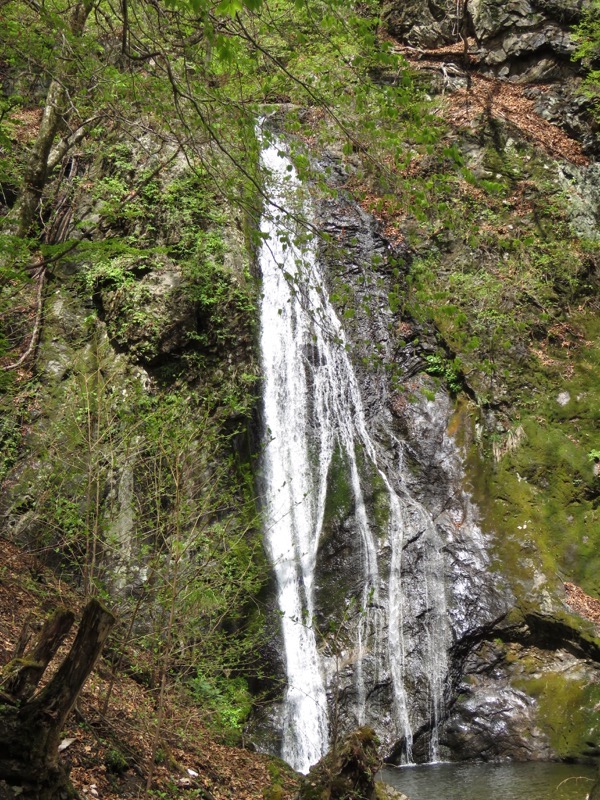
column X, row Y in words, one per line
column 313, row 408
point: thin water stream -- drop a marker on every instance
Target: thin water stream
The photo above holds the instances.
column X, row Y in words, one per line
column 531, row 781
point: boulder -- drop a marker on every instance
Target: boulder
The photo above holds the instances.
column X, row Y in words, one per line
column 347, row 772
column 383, row 791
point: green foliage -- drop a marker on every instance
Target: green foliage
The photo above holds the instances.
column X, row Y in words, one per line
column 445, row 368
column 17, row 292
column 10, row 439
column 125, row 472
column 115, row 761
column 587, row 36
column 492, row 277
column 228, row 698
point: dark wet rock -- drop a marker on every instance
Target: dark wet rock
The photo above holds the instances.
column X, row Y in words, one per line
column 410, row 428
column 523, row 702
column 495, row 723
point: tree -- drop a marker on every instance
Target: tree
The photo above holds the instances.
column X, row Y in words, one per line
column 92, row 72
column 31, row 723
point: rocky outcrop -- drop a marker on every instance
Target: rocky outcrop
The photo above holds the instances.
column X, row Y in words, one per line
column 422, row 23
column 523, row 702
column 525, row 40
column 583, row 189
column 150, row 314
column 441, row 533
column 127, row 333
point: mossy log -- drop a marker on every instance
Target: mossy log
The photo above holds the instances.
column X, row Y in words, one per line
column 31, row 724
column 347, row 772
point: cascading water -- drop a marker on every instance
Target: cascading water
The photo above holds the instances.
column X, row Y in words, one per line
column 312, row 409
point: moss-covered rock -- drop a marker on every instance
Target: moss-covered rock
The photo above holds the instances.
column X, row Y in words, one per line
column 526, row 702
column 347, row 772
column 151, row 318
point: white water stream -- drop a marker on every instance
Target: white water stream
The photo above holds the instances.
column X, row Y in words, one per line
column 313, row 406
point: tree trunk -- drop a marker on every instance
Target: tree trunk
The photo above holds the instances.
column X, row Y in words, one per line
column 30, row 730
column 36, row 173
column 24, row 674
column 53, row 120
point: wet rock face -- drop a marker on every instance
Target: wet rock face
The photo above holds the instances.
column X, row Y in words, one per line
column 491, row 693
column 493, row 704
column 522, row 702
column 496, row 723
column 443, row 547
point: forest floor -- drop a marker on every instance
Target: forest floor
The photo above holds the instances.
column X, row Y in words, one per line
column 584, row 605
column 484, row 95
column 109, row 748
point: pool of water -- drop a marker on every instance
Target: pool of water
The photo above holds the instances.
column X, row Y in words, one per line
column 531, row 781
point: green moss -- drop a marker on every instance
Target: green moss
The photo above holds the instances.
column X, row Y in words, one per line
column 538, row 491
column 566, row 711
column 274, row 792
column 340, row 497
column 347, row 771
column 115, row 761
column 381, row 506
